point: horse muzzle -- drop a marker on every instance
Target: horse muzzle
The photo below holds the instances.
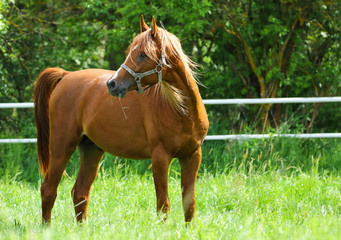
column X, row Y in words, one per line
column 116, row 89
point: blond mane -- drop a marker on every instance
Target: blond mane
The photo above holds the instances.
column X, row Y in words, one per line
column 170, row 48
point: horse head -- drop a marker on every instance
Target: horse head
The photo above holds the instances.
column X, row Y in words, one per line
column 145, row 64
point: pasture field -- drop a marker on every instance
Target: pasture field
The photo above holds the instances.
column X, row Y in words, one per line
column 229, row 206
column 258, row 189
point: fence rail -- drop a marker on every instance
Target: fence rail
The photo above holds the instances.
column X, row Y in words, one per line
column 224, row 101
column 17, row 105
column 219, row 102
column 271, row 100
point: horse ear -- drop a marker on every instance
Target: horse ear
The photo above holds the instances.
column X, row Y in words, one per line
column 154, row 27
column 143, row 25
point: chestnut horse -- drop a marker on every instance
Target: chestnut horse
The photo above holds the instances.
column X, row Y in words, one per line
column 167, row 120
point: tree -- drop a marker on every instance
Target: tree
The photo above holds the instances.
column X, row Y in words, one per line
column 247, row 48
column 269, row 42
column 35, row 35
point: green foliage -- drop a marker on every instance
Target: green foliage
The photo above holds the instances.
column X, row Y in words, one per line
column 273, row 49
column 217, row 34
column 295, row 45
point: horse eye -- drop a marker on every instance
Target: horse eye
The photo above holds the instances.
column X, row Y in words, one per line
column 142, row 56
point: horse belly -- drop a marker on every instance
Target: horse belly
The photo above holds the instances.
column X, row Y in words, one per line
column 120, row 144
column 115, row 129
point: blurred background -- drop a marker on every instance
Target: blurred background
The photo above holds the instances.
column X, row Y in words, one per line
column 246, row 49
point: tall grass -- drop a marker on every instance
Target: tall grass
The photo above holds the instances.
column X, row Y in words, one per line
column 276, row 154
column 286, row 155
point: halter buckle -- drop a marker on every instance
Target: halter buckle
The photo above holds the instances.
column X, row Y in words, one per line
column 158, row 66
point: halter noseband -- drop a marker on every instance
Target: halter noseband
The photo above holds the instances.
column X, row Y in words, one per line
column 138, row 76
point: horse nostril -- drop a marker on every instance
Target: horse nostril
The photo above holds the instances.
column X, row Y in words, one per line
column 111, row 83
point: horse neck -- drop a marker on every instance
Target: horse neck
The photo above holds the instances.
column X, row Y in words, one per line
column 189, row 88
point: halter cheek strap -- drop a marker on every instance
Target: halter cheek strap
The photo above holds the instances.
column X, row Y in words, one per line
column 138, row 76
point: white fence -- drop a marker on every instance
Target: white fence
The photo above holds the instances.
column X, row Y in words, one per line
column 271, row 100
column 217, row 102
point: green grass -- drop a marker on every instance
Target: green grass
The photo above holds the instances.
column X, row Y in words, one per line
column 229, row 206
column 257, row 189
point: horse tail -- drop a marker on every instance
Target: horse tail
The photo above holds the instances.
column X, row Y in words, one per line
column 43, row 88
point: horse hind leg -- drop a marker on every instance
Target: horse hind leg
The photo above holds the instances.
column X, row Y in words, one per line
column 90, row 156
column 61, row 147
column 189, row 171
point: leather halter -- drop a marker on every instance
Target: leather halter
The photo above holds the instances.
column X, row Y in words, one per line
column 138, row 76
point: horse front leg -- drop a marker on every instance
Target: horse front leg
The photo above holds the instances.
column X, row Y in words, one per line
column 189, row 171
column 160, row 163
